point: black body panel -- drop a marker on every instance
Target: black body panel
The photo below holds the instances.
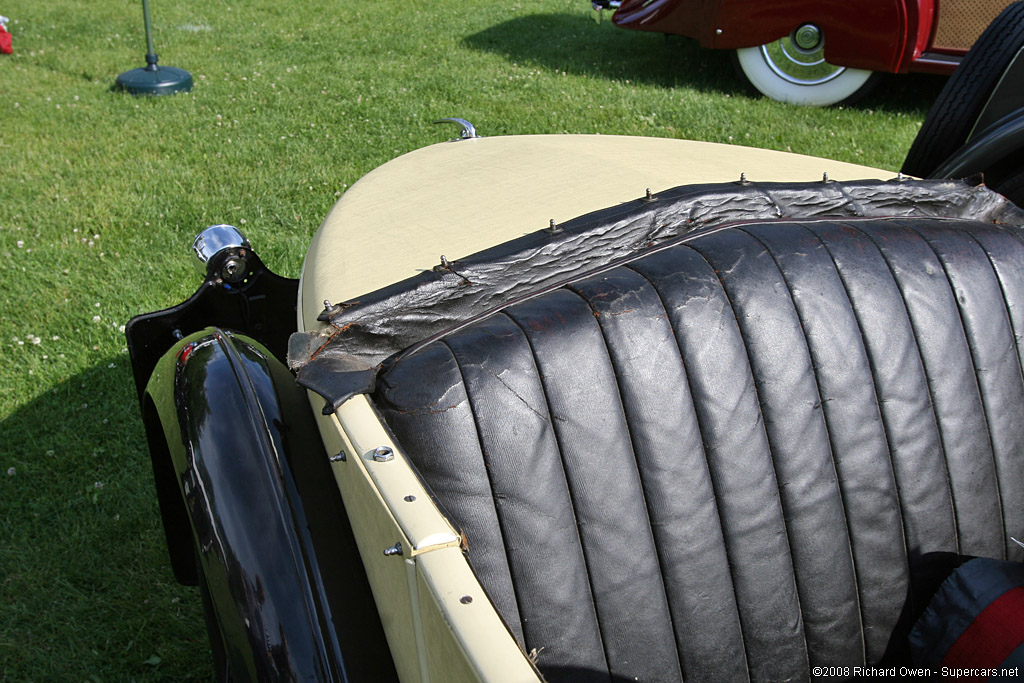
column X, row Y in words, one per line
column 261, row 306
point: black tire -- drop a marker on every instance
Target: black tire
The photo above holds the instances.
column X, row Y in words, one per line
column 954, row 113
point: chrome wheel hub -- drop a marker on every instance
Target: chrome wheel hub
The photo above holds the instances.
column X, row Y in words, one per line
column 807, row 37
column 799, row 58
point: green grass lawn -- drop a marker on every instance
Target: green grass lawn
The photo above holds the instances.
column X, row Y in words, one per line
column 101, row 194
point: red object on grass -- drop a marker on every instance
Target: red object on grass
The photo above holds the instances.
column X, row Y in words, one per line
column 5, row 41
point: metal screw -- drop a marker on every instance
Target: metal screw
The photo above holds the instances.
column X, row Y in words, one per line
column 409, row 499
column 340, row 457
column 466, row 599
column 396, row 549
column 444, row 261
column 327, row 304
column 743, row 177
column 824, row 177
column 383, row 454
column 900, row 177
column 233, row 270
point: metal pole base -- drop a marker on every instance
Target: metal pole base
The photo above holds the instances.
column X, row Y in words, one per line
column 161, row 80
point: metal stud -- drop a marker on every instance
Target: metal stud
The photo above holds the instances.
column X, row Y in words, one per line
column 339, row 457
column 743, row 177
column 383, row 454
column 394, row 550
column 444, row 262
column 466, row 599
column 330, row 310
column 824, row 177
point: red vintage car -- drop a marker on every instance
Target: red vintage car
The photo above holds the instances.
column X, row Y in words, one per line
column 821, row 52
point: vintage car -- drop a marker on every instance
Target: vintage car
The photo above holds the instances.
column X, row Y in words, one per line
column 821, row 53
column 595, row 408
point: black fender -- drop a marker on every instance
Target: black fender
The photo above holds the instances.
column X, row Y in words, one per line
column 999, row 142
column 996, row 141
column 263, row 513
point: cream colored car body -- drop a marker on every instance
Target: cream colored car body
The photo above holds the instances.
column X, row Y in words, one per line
column 458, row 198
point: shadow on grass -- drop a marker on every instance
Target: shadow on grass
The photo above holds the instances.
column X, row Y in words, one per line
column 86, row 589
column 572, row 43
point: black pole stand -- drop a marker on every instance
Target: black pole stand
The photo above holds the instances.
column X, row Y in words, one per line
column 153, row 79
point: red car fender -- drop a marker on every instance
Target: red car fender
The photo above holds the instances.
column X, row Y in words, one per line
column 868, row 34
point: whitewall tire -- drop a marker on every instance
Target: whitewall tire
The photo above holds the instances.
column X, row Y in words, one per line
column 793, row 69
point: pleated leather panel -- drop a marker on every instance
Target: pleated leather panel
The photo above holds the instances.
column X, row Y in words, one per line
column 673, row 468
column 801, row 453
column 729, row 458
column 738, row 457
column 856, row 434
column 1006, row 404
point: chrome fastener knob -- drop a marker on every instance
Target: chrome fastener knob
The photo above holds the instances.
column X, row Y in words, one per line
column 221, row 252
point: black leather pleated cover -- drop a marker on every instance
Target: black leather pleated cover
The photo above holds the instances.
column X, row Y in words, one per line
column 738, row 455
